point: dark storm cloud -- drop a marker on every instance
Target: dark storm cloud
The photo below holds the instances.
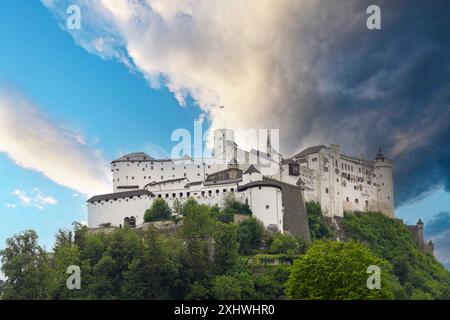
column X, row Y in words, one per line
column 388, row 88
column 438, row 230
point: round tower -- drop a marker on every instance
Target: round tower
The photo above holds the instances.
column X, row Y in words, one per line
column 385, row 183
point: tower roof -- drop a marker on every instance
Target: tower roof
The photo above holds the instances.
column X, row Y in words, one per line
column 420, row 221
column 380, row 155
column 251, row 170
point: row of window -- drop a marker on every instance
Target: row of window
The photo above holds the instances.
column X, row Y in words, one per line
column 188, row 194
column 357, row 201
column 149, row 177
column 162, row 163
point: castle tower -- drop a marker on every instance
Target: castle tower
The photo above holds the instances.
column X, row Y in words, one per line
column 385, row 184
column 269, row 144
column 223, row 143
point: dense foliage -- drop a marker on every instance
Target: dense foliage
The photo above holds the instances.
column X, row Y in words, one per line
column 420, row 275
column 199, row 261
column 335, row 271
column 159, row 211
column 208, row 257
column 317, row 225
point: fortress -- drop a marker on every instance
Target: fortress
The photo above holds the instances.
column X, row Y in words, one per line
column 277, row 196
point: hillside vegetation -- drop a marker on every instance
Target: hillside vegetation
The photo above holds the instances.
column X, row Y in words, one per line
column 210, row 257
column 420, row 276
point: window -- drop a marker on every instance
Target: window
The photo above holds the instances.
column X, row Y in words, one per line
column 267, row 206
column 188, row 194
column 224, row 190
column 314, row 159
column 347, row 199
column 367, row 203
column 326, row 190
column 356, row 201
column 217, row 191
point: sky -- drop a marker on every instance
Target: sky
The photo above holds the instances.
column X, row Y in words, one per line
column 73, row 100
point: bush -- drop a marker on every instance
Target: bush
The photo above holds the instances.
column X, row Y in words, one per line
column 333, row 270
column 250, row 232
column 159, row 211
column 284, row 243
column 234, row 206
column 317, row 225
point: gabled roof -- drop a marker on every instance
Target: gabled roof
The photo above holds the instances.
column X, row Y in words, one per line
column 120, row 195
column 251, row 170
column 310, row 150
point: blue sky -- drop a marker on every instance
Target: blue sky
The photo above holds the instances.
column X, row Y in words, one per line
column 111, row 106
column 116, row 108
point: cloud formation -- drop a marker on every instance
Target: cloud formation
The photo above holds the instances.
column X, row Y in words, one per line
column 36, row 142
column 438, row 230
column 310, row 67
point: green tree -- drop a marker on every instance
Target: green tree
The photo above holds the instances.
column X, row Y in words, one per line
column 159, row 211
column 63, row 237
column 336, row 271
column 232, row 205
column 197, row 232
column 65, row 255
column 419, row 274
column 317, row 225
column 226, row 288
column 25, row 266
column 284, row 243
column 250, row 232
column 225, row 247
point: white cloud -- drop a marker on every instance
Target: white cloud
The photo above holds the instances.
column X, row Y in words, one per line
column 34, row 198
column 46, row 200
column 36, row 142
column 256, row 57
column 24, row 199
